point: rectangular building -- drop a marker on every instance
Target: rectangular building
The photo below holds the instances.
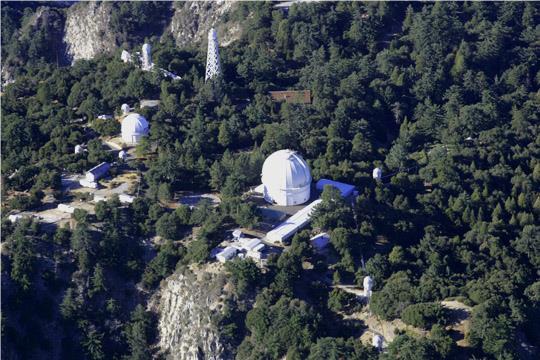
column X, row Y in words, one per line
column 97, row 172
column 345, row 189
column 226, row 254
column 292, row 225
column 292, row 96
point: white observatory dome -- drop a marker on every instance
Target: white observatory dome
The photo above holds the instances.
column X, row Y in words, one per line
column 377, row 341
column 368, row 285
column 377, row 173
column 125, row 109
column 286, row 178
column 134, row 127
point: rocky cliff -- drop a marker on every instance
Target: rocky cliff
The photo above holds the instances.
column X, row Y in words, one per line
column 189, row 307
column 87, row 30
column 192, row 20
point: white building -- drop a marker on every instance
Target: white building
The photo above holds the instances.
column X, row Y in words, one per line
column 134, row 128
column 286, row 178
column 88, row 184
column 377, row 173
column 257, row 252
column 126, row 199
column 78, row 149
column 125, row 56
column 320, row 242
column 226, row 254
column 293, row 224
column 249, row 244
column 66, row 208
column 97, row 172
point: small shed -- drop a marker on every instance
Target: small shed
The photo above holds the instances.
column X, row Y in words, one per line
column 226, row 254
column 66, row 208
column 126, row 199
column 149, row 103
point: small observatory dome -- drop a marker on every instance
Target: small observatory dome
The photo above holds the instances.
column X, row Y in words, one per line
column 368, row 285
column 377, row 341
column 377, row 173
column 286, row 178
column 134, row 127
column 125, row 109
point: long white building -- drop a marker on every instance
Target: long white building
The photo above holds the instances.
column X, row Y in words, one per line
column 296, row 222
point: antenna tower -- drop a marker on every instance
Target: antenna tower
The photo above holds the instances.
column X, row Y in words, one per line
column 213, row 65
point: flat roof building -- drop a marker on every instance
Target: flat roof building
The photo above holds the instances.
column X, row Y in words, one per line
column 226, row 254
column 292, row 96
column 293, row 224
column 320, row 242
column 345, row 189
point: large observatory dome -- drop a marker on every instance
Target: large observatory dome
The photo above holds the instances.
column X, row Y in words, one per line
column 134, row 127
column 286, row 178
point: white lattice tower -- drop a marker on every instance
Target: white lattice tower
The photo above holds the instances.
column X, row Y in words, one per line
column 213, row 65
column 147, row 57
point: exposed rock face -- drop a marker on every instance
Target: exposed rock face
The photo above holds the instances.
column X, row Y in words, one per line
column 189, row 308
column 192, row 21
column 87, row 30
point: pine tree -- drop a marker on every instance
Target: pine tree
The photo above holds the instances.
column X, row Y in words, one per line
column 98, row 281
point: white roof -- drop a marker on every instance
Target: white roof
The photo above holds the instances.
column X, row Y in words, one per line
column 134, row 125
column 377, row 173
column 345, row 189
column 250, row 244
column 226, row 253
column 377, row 341
column 285, row 169
column 293, row 224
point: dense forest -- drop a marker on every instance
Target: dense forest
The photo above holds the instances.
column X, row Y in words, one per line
column 444, row 97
